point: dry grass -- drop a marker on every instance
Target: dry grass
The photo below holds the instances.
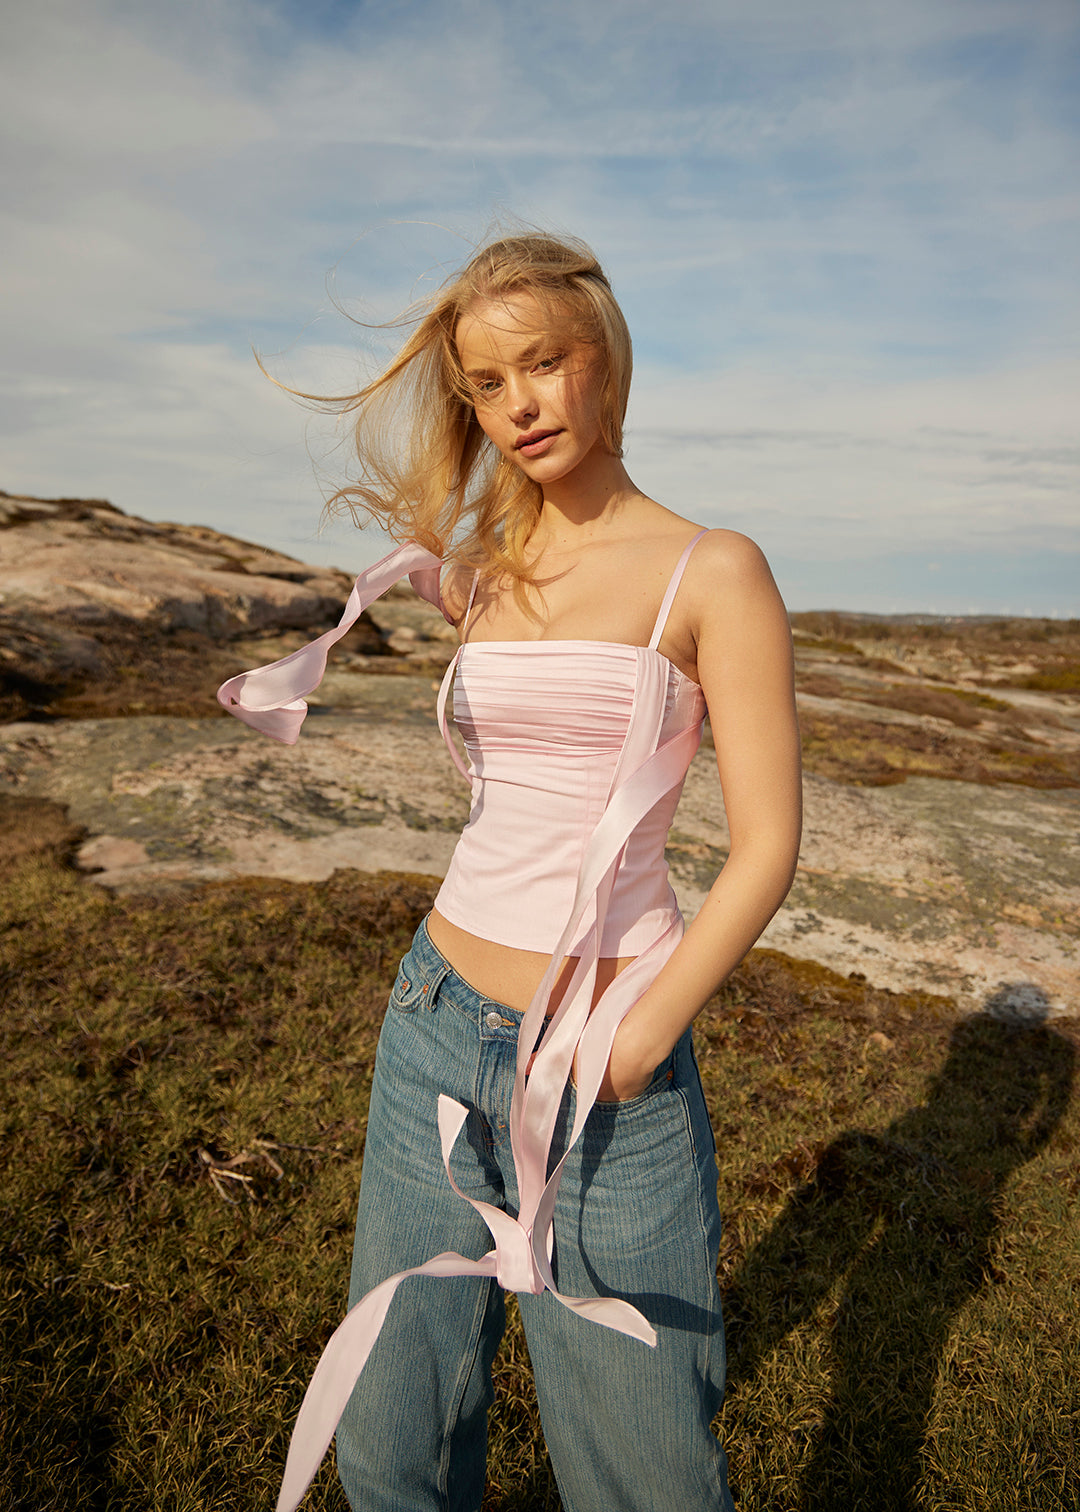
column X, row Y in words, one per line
column 987, row 644
column 902, row 1265
column 858, row 660
column 131, row 670
column 965, row 707
column 873, row 753
column 900, row 1259
column 838, row 658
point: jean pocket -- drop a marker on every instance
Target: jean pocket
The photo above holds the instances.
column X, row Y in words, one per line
column 409, row 992
column 659, row 1082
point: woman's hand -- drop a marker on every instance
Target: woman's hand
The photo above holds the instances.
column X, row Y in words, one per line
column 631, row 1064
column 623, row 1079
column 627, row 1074
column 614, row 1088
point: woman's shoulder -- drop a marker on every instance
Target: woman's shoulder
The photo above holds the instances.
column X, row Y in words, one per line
column 716, row 550
column 725, row 558
column 727, row 576
column 456, row 588
column 723, row 550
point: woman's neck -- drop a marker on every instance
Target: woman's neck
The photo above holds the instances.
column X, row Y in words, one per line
column 576, row 508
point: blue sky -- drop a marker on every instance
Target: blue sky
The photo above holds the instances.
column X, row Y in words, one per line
column 844, row 234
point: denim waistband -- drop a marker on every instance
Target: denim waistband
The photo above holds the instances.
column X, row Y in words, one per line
column 431, row 974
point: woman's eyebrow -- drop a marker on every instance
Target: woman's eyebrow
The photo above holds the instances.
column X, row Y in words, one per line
column 527, row 354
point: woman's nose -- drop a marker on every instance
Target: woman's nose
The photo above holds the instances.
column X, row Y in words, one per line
column 521, row 403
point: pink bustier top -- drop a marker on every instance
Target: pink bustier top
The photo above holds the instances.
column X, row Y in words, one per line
column 544, row 723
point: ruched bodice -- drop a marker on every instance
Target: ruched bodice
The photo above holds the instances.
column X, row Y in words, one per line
column 544, row 724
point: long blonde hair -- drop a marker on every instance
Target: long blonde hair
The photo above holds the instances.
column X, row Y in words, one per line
column 426, row 471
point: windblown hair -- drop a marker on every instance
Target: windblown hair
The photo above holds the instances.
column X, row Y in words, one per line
column 426, row 471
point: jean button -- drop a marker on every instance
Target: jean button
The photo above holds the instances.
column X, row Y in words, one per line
column 493, row 1020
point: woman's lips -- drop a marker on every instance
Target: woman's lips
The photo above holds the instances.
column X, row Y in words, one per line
column 536, row 443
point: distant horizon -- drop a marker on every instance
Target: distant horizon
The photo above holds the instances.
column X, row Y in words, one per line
column 330, row 562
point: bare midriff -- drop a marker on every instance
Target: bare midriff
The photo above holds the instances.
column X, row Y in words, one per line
column 505, row 974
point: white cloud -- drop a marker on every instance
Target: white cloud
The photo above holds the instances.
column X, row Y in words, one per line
column 846, row 469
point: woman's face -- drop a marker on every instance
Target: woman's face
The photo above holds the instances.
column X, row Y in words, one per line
column 536, row 396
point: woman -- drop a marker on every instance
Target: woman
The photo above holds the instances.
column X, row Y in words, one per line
column 542, row 1015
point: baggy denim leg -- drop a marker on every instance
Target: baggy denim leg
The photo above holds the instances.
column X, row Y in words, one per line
column 414, row 1434
column 627, row 1426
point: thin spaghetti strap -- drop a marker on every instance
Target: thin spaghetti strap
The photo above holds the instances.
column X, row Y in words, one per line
column 672, row 589
column 468, row 607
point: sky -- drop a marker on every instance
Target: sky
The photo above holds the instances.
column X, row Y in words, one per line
column 844, row 233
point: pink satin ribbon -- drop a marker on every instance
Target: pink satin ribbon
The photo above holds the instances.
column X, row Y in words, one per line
column 271, row 699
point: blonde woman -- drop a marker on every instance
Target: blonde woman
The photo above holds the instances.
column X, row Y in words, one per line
column 536, row 1119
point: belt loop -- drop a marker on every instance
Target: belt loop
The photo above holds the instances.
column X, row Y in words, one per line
column 431, row 987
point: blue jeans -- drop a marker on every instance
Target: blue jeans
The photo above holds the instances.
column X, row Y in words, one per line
column 627, row 1426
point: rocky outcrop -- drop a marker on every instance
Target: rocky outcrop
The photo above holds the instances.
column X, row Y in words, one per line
column 103, row 612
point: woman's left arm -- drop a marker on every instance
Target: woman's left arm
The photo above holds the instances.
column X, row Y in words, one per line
column 745, row 667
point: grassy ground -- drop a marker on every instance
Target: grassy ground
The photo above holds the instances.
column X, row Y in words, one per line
column 901, row 1261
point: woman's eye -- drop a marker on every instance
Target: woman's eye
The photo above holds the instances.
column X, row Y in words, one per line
column 548, row 364
column 486, row 385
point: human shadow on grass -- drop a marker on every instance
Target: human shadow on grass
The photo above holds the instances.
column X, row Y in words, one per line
column 908, row 1218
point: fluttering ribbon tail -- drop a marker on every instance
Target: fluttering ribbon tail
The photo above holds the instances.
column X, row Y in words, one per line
column 272, row 699
column 341, row 1362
